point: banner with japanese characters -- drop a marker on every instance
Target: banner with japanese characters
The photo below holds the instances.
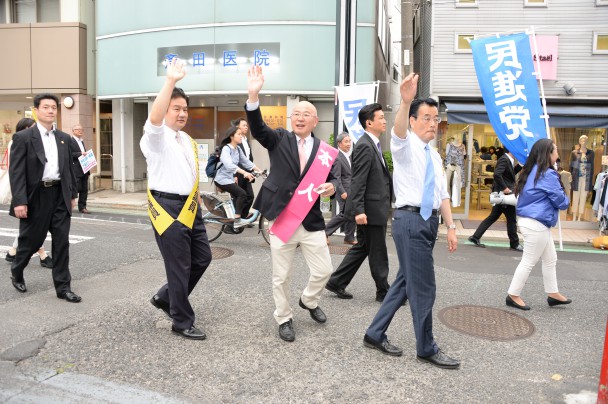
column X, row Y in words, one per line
column 351, row 99
column 505, row 72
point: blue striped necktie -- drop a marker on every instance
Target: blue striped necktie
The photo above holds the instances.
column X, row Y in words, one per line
column 426, row 207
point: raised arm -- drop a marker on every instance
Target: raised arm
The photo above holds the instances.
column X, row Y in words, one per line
column 255, row 82
column 408, row 89
column 175, row 72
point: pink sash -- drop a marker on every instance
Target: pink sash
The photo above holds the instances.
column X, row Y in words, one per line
column 304, row 197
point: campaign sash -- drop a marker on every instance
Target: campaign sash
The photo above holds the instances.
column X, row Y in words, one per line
column 161, row 220
column 304, row 197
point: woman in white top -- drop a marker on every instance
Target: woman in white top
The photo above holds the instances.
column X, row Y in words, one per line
column 231, row 156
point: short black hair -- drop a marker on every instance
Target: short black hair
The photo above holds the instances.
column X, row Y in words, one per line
column 179, row 93
column 24, row 123
column 238, row 121
column 45, row 96
column 367, row 113
column 415, row 106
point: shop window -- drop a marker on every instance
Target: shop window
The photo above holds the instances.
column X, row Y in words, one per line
column 601, row 2
column 29, row 11
column 600, row 43
column 536, row 3
column 462, row 43
column 466, row 3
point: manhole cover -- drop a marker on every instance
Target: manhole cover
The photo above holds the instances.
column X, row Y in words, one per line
column 338, row 249
column 218, row 253
column 486, row 322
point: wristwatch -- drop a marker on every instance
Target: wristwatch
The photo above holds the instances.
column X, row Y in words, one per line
column 452, row 226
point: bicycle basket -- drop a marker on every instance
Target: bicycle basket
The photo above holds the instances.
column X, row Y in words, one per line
column 218, row 206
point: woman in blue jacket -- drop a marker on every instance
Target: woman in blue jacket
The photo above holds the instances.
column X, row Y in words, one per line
column 541, row 196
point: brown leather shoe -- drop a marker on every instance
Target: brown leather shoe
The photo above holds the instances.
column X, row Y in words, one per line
column 354, row 242
column 85, row 211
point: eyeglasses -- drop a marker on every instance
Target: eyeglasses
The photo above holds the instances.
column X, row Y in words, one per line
column 305, row 115
column 427, row 119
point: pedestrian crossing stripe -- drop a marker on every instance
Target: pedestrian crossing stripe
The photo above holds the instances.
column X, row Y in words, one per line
column 74, row 239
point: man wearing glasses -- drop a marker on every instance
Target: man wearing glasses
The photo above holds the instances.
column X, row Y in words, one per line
column 292, row 159
column 421, row 192
column 82, row 178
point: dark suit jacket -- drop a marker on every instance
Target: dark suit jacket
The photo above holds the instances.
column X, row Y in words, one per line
column 371, row 187
column 27, row 166
column 504, row 175
column 342, row 171
column 75, row 152
column 284, row 176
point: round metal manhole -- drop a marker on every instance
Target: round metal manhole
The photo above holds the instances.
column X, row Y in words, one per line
column 217, row 253
column 486, row 322
column 338, row 249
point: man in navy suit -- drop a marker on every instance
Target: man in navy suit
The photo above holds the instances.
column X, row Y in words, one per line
column 291, row 156
column 342, row 171
column 368, row 203
column 44, row 193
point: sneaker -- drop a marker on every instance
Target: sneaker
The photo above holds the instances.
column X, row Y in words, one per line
column 47, row 262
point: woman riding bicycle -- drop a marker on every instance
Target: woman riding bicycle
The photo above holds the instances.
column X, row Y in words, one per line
column 231, row 156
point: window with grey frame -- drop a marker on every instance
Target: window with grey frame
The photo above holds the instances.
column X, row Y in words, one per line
column 29, row 11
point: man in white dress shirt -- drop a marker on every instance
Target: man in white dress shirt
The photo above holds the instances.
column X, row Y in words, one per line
column 173, row 194
column 421, row 190
column 82, row 178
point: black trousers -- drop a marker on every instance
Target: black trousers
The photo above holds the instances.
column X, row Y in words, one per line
column 82, row 185
column 242, row 201
column 371, row 243
column 187, row 255
column 46, row 212
column 497, row 210
column 340, row 221
column 245, row 184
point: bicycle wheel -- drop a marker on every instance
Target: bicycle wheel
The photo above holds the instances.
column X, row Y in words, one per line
column 214, row 230
column 263, row 228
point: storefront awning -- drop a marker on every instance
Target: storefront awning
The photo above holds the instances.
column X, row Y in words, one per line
column 560, row 115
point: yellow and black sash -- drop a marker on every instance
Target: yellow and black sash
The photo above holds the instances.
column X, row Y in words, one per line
column 159, row 217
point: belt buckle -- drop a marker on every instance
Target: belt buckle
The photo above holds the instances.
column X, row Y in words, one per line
column 48, row 184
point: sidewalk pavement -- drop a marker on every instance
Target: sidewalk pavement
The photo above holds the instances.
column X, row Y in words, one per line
column 136, row 201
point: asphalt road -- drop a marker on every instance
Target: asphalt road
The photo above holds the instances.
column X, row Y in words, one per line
column 115, row 347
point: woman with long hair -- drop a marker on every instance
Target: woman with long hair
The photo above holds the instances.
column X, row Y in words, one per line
column 541, row 196
column 231, row 156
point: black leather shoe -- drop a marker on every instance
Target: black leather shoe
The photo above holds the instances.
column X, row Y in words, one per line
column 286, row 331
column 161, row 304
column 385, row 347
column 440, row 360
column 189, row 333
column 19, row 285
column 518, row 248
column 380, row 298
column 511, row 303
column 316, row 313
column 341, row 293
column 9, row 257
column 476, row 242
column 47, row 262
column 554, row 302
column 69, row 296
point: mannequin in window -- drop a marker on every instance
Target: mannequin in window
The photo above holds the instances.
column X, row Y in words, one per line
column 455, row 153
column 581, row 167
column 566, row 178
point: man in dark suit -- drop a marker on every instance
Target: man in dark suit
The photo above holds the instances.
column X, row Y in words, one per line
column 291, row 156
column 504, row 180
column 44, row 193
column 369, row 203
column 82, row 178
column 342, row 171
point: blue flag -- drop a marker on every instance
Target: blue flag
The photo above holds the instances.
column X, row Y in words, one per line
column 505, row 73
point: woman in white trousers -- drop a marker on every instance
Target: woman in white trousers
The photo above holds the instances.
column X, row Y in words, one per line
column 541, row 196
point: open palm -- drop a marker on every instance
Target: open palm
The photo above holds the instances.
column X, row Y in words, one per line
column 255, row 79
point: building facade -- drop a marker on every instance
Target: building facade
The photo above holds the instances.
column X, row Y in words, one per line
column 576, row 94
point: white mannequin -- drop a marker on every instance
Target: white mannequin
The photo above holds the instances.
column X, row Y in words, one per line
column 454, row 168
column 579, row 197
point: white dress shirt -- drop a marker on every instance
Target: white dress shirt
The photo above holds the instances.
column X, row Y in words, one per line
column 246, row 146
column 347, row 155
column 169, row 167
column 409, row 169
column 79, row 142
column 51, row 166
column 376, row 142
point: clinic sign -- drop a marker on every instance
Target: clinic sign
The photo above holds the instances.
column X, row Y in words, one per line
column 505, row 73
column 221, row 58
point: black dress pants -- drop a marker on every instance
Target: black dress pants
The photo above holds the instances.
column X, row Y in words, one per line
column 371, row 242
column 242, row 202
column 82, row 184
column 46, row 212
column 187, row 255
column 339, row 220
column 245, row 184
column 497, row 210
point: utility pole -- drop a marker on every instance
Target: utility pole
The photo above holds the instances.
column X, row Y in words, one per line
column 407, row 37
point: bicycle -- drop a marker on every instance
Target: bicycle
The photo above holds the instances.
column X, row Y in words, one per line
column 221, row 215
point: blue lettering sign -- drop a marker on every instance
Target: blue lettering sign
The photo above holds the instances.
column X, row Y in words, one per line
column 198, row 59
column 261, row 57
column 230, row 58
